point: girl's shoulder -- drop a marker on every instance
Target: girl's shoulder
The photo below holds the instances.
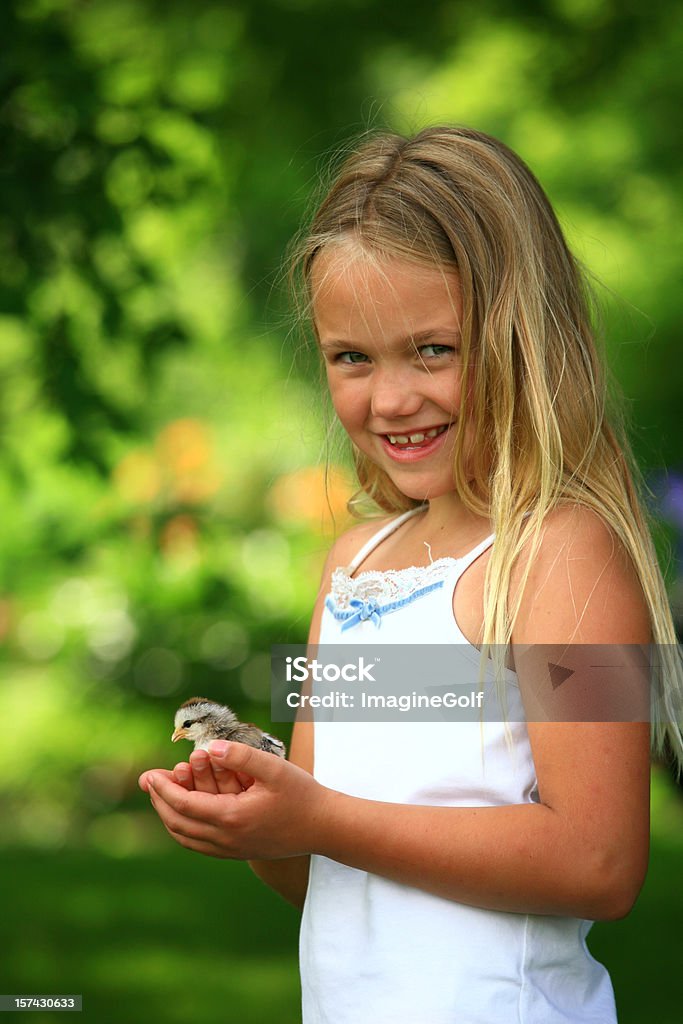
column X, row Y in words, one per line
column 581, row 584
column 341, row 554
column 348, row 544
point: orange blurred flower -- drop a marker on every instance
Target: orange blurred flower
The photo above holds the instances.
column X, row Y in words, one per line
column 314, row 497
column 180, row 469
column 179, row 537
column 185, row 453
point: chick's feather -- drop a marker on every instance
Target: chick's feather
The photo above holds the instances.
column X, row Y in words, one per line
column 203, row 720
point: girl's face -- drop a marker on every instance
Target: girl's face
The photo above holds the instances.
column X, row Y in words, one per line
column 390, row 337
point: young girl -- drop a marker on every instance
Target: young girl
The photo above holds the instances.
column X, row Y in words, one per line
column 450, row 872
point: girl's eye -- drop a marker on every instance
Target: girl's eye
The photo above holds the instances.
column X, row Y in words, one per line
column 431, row 351
column 352, row 358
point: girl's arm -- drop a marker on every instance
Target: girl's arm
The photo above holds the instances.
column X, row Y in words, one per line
column 204, row 778
column 289, row 877
column 582, row 851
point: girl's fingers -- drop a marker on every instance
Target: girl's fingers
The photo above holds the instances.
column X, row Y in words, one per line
column 143, row 781
column 182, row 774
column 198, row 845
column 204, row 781
column 226, row 781
column 208, row 777
column 177, row 825
column 193, row 833
column 245, row 760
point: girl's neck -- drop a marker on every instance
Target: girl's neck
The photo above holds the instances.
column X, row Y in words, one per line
column 448, row 514
column 440, row 529
column 445, row 526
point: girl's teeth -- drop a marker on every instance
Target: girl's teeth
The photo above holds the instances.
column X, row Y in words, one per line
column 414, row 438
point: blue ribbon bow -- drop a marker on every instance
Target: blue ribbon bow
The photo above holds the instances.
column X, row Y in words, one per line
column 364, row 610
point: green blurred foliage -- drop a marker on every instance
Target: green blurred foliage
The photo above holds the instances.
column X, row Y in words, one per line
column 164, row 509
column 163, row 519
column 156, row 159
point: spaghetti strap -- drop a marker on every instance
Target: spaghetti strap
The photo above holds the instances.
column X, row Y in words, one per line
column 378, row 537
column 466, row 560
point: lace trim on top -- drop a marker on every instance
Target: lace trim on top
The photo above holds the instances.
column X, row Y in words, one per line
column 373, row 593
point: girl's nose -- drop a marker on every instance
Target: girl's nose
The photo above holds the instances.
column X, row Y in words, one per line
column 395, row 398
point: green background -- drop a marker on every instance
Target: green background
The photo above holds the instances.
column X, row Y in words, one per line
column 165, row 511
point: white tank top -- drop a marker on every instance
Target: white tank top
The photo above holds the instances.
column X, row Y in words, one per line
column 373, row 951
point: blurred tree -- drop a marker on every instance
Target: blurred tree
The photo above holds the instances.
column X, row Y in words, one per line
column 124, row 123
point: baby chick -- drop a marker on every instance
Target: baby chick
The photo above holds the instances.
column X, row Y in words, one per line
column 202, row 720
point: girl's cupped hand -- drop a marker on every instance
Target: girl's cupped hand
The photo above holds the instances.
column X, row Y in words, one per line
column 237, row 802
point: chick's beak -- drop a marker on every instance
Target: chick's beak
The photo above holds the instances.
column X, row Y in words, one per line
column 178, row 734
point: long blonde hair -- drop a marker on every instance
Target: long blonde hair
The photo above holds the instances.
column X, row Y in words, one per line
column 461, row 200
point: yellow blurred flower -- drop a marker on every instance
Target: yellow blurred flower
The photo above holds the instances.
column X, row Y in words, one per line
column 137, row 477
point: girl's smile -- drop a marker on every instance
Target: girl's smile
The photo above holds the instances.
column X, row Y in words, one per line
column 389, row 333
column 417, row 445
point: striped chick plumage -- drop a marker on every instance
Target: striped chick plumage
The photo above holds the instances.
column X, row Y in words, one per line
column 202, row 720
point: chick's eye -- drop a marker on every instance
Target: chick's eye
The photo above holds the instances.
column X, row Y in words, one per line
column 351, row 358
column 187, row 724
